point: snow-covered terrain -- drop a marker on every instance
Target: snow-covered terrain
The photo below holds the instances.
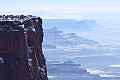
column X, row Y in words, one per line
column 69, row 70
column 96, row 49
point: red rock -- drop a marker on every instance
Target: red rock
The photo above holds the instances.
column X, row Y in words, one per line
column 21, row 49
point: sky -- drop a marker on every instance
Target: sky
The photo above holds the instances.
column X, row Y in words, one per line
column 107, row 10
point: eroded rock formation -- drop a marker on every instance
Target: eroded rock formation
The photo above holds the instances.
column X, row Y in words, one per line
column 21, row 56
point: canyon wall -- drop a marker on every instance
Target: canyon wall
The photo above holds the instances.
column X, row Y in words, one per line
column 21, row 56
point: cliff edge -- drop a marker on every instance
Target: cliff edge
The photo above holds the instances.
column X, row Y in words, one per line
column 21, row 56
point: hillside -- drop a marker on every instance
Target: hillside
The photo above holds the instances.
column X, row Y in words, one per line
column 56, row 37
column 66, row 25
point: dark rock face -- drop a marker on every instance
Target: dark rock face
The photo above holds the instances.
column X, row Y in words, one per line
column 21, row 56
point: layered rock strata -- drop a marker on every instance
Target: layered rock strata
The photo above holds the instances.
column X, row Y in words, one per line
column 21, row 56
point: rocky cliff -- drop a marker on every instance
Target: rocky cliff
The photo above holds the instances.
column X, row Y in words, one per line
column 21, row 56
